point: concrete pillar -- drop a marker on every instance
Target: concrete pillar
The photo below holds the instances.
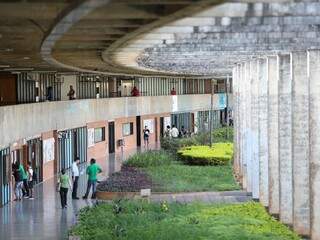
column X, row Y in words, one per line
column 247, row 129
column 263, row 131
column 314, row 126
column 300, row 143
column 254, row 128
column 235, row 119
column 243, row 162
column 273, row 135
column 285, row 139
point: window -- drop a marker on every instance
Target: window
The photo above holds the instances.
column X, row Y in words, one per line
column 127, row 129
column 99, row 134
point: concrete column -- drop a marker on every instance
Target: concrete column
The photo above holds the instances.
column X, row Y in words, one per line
column 235, row 118
column 314, row 126
column 247, row 129
column 300, row 143
column 243, row 162
column 273, row 135
column 285, row 139
column 254, row 128
column 263, row 131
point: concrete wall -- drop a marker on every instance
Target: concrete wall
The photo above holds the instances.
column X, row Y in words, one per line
column 21, row 121
column 288, row 131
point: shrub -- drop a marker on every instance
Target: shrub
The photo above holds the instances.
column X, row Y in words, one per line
column 224, row 134
column 219, row 154
column 218, row 135
column 149, row 159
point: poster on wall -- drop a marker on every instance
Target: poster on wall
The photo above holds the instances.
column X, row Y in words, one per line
column 166, row 122
column 90, row 137
column 149, row 123
column 48, row 150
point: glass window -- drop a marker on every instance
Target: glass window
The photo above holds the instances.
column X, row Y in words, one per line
column 127, row 129
column 99, row 134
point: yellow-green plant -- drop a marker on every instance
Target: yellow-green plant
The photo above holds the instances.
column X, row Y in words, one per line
column 218, row 154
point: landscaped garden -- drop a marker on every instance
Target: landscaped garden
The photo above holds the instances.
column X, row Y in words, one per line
column 184, row 165
column 140, row 220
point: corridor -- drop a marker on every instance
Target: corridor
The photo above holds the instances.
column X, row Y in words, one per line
column 43, row 218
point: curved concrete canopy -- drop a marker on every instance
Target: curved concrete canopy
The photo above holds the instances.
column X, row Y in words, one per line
column 77, row 40
column 210, row 42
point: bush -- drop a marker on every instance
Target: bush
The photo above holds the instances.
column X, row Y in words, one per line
column 219, row 154
column 224, row 134
column 172, row 145
column 149, row 159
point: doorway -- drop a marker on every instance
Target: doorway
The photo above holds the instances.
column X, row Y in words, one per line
column 138, row 122
column 161, row 126
column 35, row 157
column 111, row 137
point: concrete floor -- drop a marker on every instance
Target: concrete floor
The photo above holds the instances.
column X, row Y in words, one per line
column 43, row 218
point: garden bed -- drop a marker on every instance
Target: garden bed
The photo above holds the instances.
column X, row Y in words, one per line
column 153, row 221
column 129, row 179
column 161, row 172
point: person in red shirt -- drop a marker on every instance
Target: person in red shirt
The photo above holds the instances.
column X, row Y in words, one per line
column 173, row 91
column 135, row 92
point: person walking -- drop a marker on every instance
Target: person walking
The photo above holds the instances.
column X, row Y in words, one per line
column 25, row 188
column 75, row 177
column 64, row 184
column 93, row 170
column 174, row 132
column 146, row 134
column 30, row 180
column 18, row 178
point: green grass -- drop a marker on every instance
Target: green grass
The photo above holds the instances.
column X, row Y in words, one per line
column 137, row 220
column 218, row 154
column 168, row 175
column 183, row 178
column 149, row 159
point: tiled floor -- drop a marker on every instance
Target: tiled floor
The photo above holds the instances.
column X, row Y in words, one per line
column 43, row 218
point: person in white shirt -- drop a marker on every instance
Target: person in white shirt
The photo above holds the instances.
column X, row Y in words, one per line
column 75, row 177
column 174, row 131
column 30, row 180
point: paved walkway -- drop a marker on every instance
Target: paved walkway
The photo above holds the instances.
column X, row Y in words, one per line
column 207, row 197
column 43, row 218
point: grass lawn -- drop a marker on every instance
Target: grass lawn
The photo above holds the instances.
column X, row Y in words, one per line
column 137, row 220
column 177, row 177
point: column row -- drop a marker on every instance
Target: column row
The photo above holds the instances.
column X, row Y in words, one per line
column 277, row 136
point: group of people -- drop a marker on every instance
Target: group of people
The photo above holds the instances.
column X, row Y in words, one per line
column 24, row 177
column 64, row 182
column 173, row 132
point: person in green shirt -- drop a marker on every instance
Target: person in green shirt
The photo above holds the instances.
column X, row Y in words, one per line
column 92, row 171
column 25, row 188
column 64, row 184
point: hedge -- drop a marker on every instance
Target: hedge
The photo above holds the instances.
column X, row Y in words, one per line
column 219, row 154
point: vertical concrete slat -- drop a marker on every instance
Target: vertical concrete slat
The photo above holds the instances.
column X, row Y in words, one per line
column 254, row 128
column 314, row 137
column 243, row 162
column 273, row 135
column 247, row 129
column 235, row 119
column 285, row 139
column 300, row 143
column 263, row 131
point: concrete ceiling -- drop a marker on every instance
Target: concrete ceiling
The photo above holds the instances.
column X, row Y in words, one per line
column 153, row 37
